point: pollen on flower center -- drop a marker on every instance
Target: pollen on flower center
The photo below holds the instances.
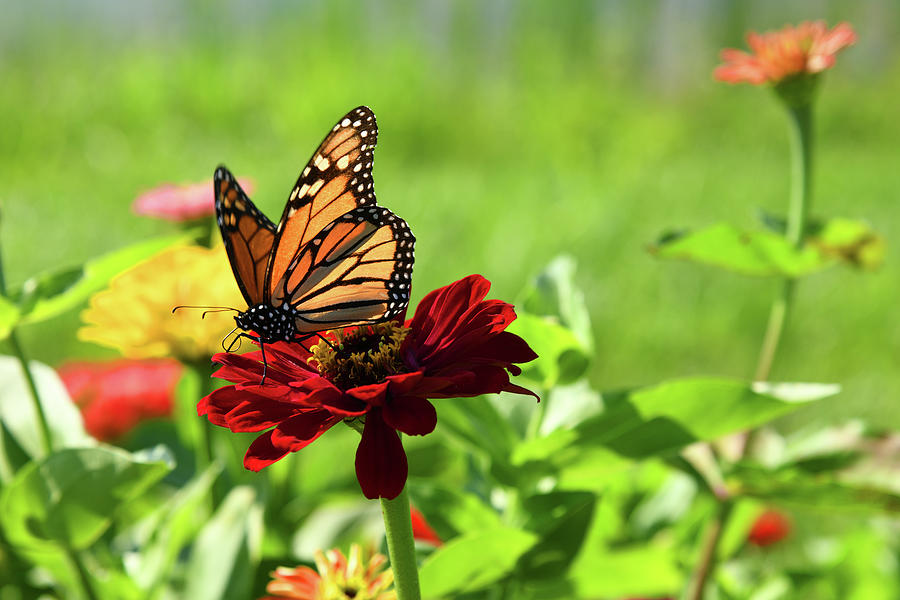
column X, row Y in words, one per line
column 360, row 356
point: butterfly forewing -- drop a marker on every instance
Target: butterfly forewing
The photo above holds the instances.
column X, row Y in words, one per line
column 337, row 180
column 356, row 270
column 248, row 235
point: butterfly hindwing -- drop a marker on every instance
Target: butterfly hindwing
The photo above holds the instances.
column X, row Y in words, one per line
column 337, row 180
column 248, row 235
column 356, row 270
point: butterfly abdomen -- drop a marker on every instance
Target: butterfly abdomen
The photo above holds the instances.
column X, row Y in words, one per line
column 270, row 323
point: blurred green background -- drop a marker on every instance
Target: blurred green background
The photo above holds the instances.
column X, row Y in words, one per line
column 510, row 133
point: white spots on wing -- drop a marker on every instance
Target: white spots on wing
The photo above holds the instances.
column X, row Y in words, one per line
column 303, row 189
column 345, row 122
column 294, row 193
column 363, row 133
column 357, row 168
column 363, row 147
column 343, row 162
column 321, row 162
column 305, row 173
column 291, row 212
column 357, row 123
column 360, row 188
column 316, row 187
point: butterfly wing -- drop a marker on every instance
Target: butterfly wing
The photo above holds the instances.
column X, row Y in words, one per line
column 248, row 235
column 356, row 270
column 336, row 181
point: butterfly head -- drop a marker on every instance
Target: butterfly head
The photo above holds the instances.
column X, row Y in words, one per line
column 271, row 324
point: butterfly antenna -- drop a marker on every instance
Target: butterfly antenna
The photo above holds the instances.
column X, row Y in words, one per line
column 208, row 308
column 215, row 310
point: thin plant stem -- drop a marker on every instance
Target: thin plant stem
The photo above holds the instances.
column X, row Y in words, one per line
column 43, row 426
column 84, row 578
column 401, row 546
column 800, row 118
column 707, row 562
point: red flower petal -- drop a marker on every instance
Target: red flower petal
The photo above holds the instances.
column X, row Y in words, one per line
column 373, row 395
column 411, row 415
column 263, row 453
column 302, row 429
column 381, row 466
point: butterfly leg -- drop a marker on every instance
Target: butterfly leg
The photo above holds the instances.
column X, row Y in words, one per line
column 262, row 348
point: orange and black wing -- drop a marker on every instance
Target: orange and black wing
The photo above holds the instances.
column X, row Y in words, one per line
column 248, row 235
column 336, row 181
column 356, row 270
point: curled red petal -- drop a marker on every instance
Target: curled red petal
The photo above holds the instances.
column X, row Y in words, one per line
column 373, row 394
column 263, row 453
column 302, row 429
column 410, row 414
column 381, row 466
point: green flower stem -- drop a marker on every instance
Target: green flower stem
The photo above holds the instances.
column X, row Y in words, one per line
column 401, row 546
column 43, row 427
column 84, row 579
column 801, row 171
column 707, row 562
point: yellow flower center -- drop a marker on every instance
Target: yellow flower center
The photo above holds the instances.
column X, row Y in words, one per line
column 364, row 355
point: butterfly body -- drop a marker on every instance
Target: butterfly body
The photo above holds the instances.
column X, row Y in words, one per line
column 271, row 324
column 335, row 259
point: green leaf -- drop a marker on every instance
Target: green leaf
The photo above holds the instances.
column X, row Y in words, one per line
column 758, row 253
column 561, row 355
column 851, row 241
column 553, row 293
column 646, row 571
column 562, row 519
column 661, row 419
column 473, row 562
column 70, row 496
column 171, row 528
column 479, row 425
column 17, row 411
column 54, row 292
column 451, row 511
column 821, row 491
column 224, row 558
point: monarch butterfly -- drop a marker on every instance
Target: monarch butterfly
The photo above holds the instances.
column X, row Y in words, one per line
column 335, row 259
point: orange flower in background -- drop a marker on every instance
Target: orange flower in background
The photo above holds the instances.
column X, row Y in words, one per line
column 134, row 315
column 807, row 49
column 422, row 531
column 769, row 528
column 181, row 202
column 114, row 397
column 337, row 578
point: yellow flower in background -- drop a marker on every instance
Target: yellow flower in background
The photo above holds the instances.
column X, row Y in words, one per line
column 134, row 315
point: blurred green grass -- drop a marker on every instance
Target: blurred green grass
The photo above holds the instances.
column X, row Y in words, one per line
column 506, row 138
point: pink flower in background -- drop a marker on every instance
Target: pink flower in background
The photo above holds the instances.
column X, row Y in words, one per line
column 114, row 397
column 181, row 202
column 808, row 48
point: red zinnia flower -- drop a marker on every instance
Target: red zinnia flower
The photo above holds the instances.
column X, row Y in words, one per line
column 114, row 397
column 454, row 346
column 808, row 48
column 422, row 531
column 770, row 527
column 180, row 202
